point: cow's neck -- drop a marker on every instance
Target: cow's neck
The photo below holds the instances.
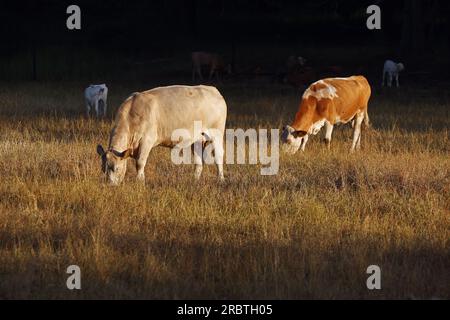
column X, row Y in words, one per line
column 124, row 134
column 302, row 121
column 120, row 138
column 306, row 115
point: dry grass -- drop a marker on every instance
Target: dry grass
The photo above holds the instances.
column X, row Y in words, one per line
column 309, row 232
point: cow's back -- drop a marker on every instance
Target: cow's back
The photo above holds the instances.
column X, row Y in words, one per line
column 185, row 104
column 389, row 66
column 353, row 94
column 94, row 89
column 165, row 109
column 351, row 90
column 200, row 58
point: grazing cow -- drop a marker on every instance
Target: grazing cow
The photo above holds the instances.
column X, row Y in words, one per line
column 148, row 119
column 212, row 61
column 391, row 70
column 331, row 71
column 300, row 78
column 325, row 103
column 96, row 97
column 291, row 66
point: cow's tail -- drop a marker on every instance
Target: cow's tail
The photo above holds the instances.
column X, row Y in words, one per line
column 366, row 119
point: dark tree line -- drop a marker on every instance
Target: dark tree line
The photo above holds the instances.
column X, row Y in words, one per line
column 423, row 24
column 413, row 26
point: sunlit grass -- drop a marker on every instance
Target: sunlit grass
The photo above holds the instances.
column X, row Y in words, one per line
column 309, row 232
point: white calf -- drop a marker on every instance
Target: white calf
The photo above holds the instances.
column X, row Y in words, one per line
column 392, row 70
column 95, row 95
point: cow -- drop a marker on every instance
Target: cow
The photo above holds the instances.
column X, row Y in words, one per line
column 148, row 119
column 213, row 62
column 391, row 70
column 293, row 63
column 96, row 97
column 300, row 78
column 326, row 103
column 294, row 71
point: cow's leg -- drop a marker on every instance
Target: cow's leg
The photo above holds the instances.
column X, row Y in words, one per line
column 88, row 108
column 211, row 73
column 104, row 108
column 389, row 80
column 101, row 106
column 357, row 130
column 328, row 132
column 304, row 141
column 198, row 158
column 96, row 107
column 217, row 77
column 358, row 143
column 199, row 72
column 217, row 141
column 144, row 151
column 396, row 80
column 194, row 70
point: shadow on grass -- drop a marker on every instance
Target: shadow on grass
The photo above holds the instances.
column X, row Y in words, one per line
column 135, row 267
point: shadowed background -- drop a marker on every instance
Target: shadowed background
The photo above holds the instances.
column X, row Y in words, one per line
column 142, row 40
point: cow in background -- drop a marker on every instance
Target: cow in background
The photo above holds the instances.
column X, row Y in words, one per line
column 96, row 96
column 295, row 63
column 391, row 70
column 300, row 78
column 212, row 62
column 326, row 103
column 295, row 72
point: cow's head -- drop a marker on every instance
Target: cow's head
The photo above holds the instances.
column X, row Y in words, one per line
column 291, row 139
column 301, row 61
column 114, row 164
column 400, row 67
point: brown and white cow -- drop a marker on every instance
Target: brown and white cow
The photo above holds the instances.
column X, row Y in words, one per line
column 213, row 62
column 325, row 103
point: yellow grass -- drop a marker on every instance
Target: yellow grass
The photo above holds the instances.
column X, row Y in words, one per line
column 309, row 232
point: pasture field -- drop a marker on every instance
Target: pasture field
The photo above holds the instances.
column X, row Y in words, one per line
column 308, row 232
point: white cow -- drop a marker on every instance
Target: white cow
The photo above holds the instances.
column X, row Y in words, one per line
column 391, row 70
column 96, row 97
column 149, row 119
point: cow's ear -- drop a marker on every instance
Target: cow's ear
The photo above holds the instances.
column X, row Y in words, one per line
column 100, row 150
column 288, row 128
column 299, row 134
column 126, row 154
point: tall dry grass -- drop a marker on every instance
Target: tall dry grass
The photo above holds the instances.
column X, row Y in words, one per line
column 309, row 232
